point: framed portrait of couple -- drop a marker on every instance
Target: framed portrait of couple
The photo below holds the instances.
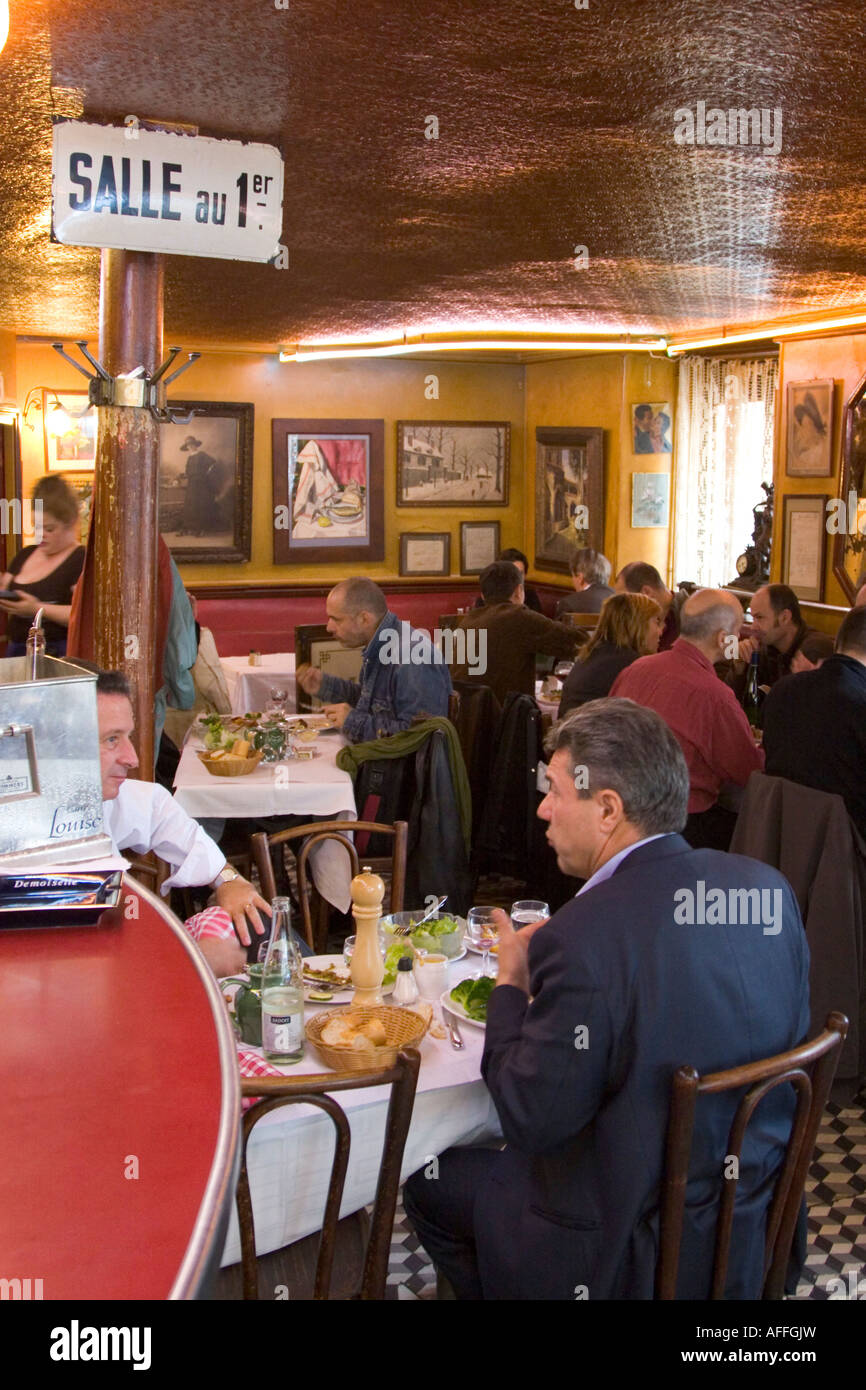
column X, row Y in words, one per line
column 651, row 423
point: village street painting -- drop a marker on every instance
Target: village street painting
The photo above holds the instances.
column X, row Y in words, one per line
column 444, row 464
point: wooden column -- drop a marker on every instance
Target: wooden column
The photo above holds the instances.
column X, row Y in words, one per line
column 126, row 481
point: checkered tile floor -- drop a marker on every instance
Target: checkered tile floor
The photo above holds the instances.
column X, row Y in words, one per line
column 836, row 1196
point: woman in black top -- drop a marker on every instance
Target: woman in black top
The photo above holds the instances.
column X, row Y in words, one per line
column 629, row 626
column 45, row 574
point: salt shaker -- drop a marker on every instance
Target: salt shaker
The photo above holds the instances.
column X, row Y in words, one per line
column 405, row 988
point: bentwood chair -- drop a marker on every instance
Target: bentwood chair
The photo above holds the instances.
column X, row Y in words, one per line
column 312, row 835
column 809, row 1069
column 275, row 1092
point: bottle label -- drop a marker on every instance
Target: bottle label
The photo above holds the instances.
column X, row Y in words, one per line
column 282, row 1032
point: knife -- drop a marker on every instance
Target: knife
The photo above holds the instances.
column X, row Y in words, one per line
column 453, row 1031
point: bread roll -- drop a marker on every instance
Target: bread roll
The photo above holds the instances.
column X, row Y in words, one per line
column 374, row 1029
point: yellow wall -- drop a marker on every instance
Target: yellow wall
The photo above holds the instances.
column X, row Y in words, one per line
column 386, row 390
column 600, row 391
column 842, row 357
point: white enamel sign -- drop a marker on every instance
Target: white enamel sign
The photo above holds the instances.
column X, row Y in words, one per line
column 146, row 190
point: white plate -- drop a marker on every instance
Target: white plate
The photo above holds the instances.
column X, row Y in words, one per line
column 477, row 950
column 341, row 996
column 458, row 1010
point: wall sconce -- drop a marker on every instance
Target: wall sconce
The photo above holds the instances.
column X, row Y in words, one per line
column 56, row 418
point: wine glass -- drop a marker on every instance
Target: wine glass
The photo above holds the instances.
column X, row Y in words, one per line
column 562, row 669
column 482, row 930
column 528, row 910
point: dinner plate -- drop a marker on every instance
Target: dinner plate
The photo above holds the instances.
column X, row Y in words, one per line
column 341, row 996
column 477, row 950
column 458, row 1010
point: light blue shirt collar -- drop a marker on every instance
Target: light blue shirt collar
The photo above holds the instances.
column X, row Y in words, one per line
column 611, row 865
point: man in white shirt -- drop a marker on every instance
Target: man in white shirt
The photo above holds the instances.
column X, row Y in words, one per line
column 142, row 816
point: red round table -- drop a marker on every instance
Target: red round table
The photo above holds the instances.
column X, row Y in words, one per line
column 120, row 1108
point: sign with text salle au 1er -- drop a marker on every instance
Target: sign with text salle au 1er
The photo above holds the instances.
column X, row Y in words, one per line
column 149, row 190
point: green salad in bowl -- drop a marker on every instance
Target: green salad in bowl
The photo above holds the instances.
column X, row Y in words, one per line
column 441, row 933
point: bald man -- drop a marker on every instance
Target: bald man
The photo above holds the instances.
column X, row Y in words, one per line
column 702, row 712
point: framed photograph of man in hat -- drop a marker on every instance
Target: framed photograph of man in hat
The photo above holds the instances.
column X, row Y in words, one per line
column 205, row 482
column 810, row 429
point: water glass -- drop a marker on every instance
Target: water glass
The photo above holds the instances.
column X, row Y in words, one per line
column 278, row 697
column 528, row 910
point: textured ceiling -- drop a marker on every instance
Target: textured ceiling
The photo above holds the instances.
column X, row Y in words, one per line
column 556, row 129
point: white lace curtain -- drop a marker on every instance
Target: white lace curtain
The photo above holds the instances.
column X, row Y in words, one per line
column 724, row 451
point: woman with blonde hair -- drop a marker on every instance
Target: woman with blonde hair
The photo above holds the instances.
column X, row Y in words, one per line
column 44, row 575
column 629, row 626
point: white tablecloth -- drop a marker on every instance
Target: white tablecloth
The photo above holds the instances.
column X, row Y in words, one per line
column 315, row 788
column 290, row 1152
column 250, row 686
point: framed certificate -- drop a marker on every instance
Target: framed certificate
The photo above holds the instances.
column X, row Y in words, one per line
column 425, row 552
column 805, row 540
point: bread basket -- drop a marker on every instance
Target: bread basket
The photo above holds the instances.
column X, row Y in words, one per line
column 232, row 767
column 403, row 1028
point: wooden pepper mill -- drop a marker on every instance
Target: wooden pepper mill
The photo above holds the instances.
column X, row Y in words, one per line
column 368, row 967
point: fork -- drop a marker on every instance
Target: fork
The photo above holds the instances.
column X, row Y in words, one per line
column 404, row 931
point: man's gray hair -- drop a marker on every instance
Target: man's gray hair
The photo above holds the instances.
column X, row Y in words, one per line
column 703, row 625
column 361, row 595
column 594, row 566
column 630, row 750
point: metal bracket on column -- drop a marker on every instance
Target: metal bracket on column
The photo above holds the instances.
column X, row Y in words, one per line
column 136, row 388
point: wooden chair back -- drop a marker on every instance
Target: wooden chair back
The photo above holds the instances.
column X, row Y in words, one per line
column 275, row 1092
column 149, row 870
column 809, row 1068
column 587, row 620
column 313, row 834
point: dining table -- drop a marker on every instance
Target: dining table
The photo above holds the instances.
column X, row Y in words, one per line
column 290, row 1150
column 250, row 686
column 316, row 788
column 118, row 1161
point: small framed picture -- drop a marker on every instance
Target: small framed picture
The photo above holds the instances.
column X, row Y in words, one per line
column 423, row 553
column 810, row 429
column 805, row 539
column 651, row 427
column 69, row 425
column 479, row 545
column 650, row 499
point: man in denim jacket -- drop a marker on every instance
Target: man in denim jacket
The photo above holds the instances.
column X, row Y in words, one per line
column 402, row 674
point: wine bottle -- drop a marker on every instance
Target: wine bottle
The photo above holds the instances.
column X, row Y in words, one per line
column 282, row 991
column 752, row 694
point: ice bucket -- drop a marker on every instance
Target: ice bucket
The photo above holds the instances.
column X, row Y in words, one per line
column 50, row 784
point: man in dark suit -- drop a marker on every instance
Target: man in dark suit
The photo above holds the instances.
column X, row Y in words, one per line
column 661, row 959
column 815, row 722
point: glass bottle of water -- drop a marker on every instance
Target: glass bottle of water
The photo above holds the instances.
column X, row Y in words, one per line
column 282, row 991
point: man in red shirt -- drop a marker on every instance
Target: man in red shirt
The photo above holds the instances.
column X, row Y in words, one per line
column 710, row 726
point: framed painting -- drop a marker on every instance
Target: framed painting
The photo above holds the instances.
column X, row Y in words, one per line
column 804, row 546
column 848, row 525
column 810, row 429
column 650, row 499
column 569, row 493
column 479, row 545
column 69, row 425
column 83, row 489
column 206, row 483
column 316, row 646
column 651, row 427
column 425, row 552
column 328, row 481
column 452, row 463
